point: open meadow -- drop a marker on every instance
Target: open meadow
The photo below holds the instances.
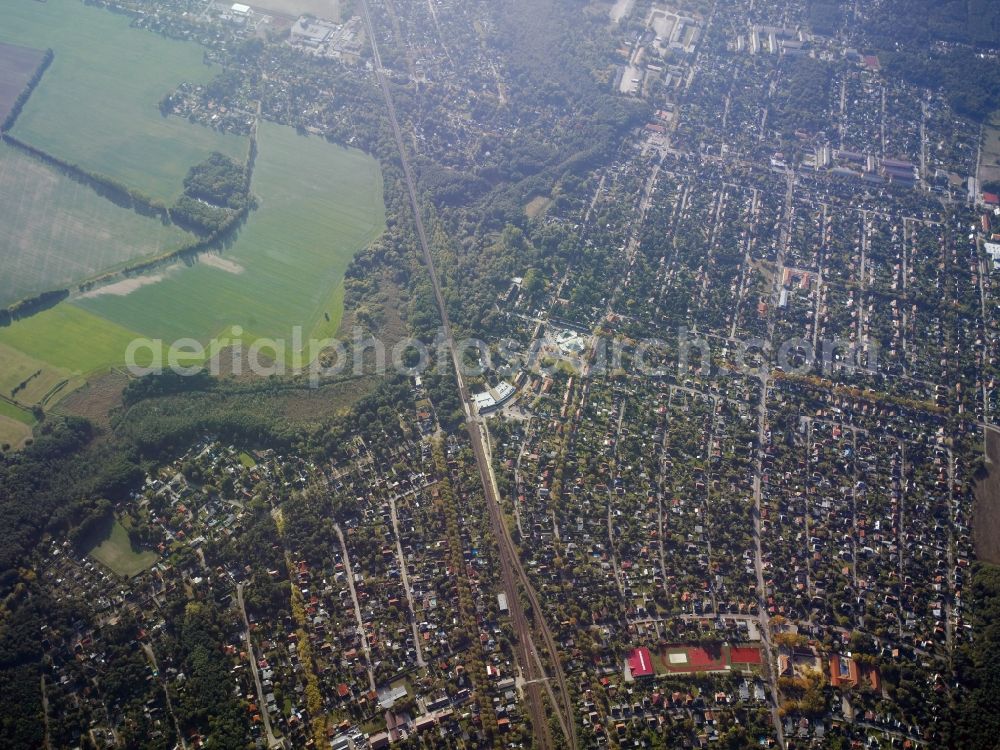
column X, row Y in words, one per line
column 319, row 204
column 58, row 231
column 15, row 424
column 17, row 64
column 98, row 103
column 115, row 552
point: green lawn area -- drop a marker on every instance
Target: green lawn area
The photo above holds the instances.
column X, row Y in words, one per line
column 247, row 460
column 58, row 231
column 115, row 551
column 98, row 103
column 319, row 204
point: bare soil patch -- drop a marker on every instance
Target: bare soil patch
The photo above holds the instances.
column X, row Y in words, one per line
column 986, row 515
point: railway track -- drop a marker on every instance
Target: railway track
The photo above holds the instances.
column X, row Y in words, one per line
column 512, row 573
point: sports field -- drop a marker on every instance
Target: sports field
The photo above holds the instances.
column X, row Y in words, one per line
column 57, row 231
column 688, row 659
column 319, row 204
column 17, row 64
column 115, row 552
column 97, row 105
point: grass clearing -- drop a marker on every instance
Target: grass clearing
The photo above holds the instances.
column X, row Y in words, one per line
column 15, row 425
column 12, row 411
column 98, row 104
column 96, row 400
column 13, row 433
column 17, row 65
column 319, row 205
column 539, row 204
column 114, row 550
column 58, row 231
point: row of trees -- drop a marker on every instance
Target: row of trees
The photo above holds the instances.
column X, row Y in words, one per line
column 23, row 97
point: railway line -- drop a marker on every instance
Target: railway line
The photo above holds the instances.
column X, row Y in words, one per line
column 513, row 576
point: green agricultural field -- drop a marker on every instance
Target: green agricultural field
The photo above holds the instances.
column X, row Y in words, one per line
column 66, row 339
column 29, row 381
column 58, row 231
column 115, row 552
column 16, row 413
column 17, row 65
column 319, row 204
column 98, row 104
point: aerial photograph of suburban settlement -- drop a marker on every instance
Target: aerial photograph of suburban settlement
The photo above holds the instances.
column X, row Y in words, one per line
column 542, row 374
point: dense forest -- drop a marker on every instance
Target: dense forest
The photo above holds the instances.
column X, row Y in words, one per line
column 55, row 484
column 920, row 22
column 905, row 32
column 219, row 181
column 21, row 668
column 799, row 101
column 977, row 710
column 825, row 16
column 216, row 192
column 971, row 83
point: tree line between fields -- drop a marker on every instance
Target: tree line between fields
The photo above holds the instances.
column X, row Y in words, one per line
column 215, row 202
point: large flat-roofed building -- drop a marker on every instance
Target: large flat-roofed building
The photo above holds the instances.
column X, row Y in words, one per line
column 494, row 398
column 241, row 11
column 640, row 663
column 312, row 32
